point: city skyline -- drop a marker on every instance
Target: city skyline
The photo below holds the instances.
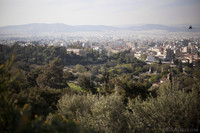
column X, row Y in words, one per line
column 100, row 12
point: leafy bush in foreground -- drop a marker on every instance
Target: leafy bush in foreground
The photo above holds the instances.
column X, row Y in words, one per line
column 101, row 113
column 172, row 109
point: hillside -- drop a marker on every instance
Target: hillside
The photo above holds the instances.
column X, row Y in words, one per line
column 62, row 28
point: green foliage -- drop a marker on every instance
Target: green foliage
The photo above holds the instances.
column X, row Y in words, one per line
column 75, row 87
column 126, row 106
column 7, row 78
column 196, row 74
column 125, row 68
column 9, row 112
column 180, row 67
column 188, row 70
column 58, row 123
column 9, row 115
column 155, row 78
column 104, row 112
column 41, row 55
column 125, row 57
column 146, row 68
column 35, row 103
column 197, row 64
column 52, row 76
column 184, row 80
column 108, row 84
column 176, row 62
column 100, row 113
column 175, row 71
column 130, row 89
column 143, row 56
column 165, row 67
column 4, row 53
column 41, row 100
column 32, row 76
column 80, row 68
column 74, row 105
column 108, row 88
column 38, row 99
column 171, row 109
column 87, row 85
column 68, row 76
column 156, row 67
column 55, row 123
column 95, row 70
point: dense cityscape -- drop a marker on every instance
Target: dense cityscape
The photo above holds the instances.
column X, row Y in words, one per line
column 155, row 45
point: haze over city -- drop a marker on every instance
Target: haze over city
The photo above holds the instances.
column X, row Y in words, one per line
column 100, row 12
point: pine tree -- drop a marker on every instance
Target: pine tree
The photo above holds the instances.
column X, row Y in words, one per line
column 52, row 75
column 180, row 67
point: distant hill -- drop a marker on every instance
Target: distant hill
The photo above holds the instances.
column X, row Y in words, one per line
column 153, row 27
column 42, row 28
column 59, row 27
column 147, row 27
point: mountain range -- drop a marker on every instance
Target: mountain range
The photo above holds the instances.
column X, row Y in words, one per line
column 59, row 27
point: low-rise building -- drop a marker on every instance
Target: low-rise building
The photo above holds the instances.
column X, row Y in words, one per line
column 150, row 58
column 80, row 52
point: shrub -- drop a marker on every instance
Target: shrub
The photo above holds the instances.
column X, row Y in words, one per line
column 172, row 109
column 101, row 113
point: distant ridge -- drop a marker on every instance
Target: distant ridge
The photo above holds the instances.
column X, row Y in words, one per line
column 154, row 27
column 59, row 27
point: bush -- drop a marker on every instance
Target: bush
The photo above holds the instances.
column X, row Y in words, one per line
column 155, row 78
column 172, row 109
column 80, row 68
column 101, row 113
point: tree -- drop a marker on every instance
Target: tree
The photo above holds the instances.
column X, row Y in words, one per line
column 172, row 109
column 188, row 70
column 196, row 74
column 165, row 67
column 197, row 64
column 87, row 85
column 176, row 62
column 32, row 76
column 41, row 100
column 69, row 76
column 143, row 56
column 131, row 89
column 155, row 78
column 9, row 113
column 180, row 67
column 160, row 62
column 80, row 68
column 104, row 114
column 7, row 77
column 52, row 75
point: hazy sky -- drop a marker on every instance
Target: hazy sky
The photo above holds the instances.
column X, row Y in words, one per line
column 100, row 12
